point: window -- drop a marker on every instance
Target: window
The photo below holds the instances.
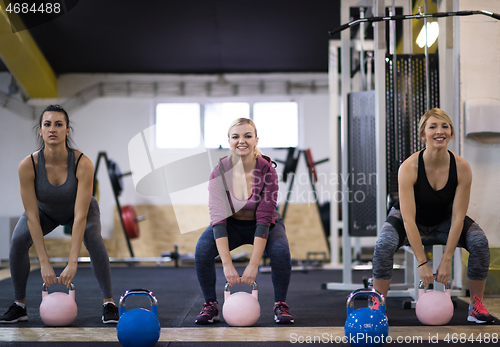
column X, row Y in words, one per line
column 218, row 118
column 178, row 125
column 277, row 124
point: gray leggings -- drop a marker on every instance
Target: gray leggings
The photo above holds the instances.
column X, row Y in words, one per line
column 475, row 243
column 21, row 243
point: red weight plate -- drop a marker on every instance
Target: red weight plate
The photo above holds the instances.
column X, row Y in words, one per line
column 311, row 165
column 130, row 222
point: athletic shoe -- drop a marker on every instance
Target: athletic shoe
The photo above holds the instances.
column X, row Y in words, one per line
column 281, row 314
column 209, row 314
column 110, row 313
column 15, row 314
column 478, row 313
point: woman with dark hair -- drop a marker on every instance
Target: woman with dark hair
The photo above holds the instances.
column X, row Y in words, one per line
column 56, row 189
column 434, row 191
column 243, row 191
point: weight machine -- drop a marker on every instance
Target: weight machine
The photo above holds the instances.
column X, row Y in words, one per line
column 359, row 95
column 391, row 112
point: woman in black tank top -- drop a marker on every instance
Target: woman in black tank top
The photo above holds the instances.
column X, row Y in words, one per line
column 434, row 189
column 56, row 189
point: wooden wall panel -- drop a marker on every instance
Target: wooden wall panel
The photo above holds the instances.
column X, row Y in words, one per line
column 159, row 233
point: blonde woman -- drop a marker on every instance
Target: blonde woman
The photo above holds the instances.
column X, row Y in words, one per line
column 243, row 190
column 434, row 191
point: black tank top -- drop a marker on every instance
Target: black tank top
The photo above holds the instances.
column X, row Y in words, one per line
column 434, row 206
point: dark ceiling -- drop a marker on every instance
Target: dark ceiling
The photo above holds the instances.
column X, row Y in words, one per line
column 188, row 36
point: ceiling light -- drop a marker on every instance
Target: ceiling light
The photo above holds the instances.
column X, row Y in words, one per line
column 432, row 34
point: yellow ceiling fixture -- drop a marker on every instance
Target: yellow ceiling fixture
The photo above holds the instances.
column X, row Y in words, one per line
column 25, row 61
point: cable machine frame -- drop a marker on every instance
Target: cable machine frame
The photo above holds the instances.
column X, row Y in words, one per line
column 447, row 98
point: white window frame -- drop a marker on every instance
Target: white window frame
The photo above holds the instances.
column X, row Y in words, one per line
column 202, row 100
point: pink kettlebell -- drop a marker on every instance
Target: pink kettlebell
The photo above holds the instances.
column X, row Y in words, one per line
column 241, row 309
column 58, row 309
column 434, row 307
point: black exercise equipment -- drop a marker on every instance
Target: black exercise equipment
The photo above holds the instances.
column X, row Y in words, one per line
column 412, row 16
column 176, row 256
column 291, row 163
column 403, row 73
column 409, row 91
column 361, row 194
column 115, row 177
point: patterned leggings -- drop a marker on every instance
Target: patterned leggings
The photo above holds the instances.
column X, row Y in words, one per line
column 476, row 244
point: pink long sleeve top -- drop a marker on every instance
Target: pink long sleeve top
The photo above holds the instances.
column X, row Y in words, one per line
column 262, row 200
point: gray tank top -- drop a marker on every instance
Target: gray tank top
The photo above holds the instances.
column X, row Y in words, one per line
column 57, row 202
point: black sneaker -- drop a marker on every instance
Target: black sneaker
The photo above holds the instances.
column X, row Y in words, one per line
column 281, row 314
column 15, row 314
column 110, row 313
column 209, row 314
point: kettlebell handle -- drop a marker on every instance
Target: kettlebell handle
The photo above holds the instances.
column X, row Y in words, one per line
column 421, row 288
column 154, row 303
column 255, row 291
column 447, row 286
column 365, row 292
column 45, row 290
column 254, row 286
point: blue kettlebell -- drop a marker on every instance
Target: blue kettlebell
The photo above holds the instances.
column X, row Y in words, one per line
column 366, row 326
column 138, row 327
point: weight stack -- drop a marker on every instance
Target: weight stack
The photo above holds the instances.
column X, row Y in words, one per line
column 361, row 179
column 405, row 104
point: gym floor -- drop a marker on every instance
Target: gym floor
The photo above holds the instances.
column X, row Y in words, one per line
column 319, row 314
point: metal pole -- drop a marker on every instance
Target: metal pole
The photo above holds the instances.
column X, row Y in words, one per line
column 333, row 76
column 362, row 50
column 427, row 72
column 369, row 71
column 392, row 50
column 346, row 68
